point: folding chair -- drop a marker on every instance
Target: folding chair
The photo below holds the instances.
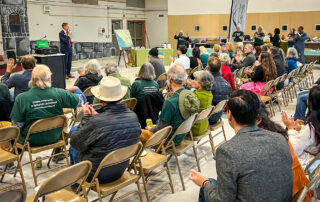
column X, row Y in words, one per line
column 194, row 70
column 161, row 78
column 6, row 157
column 275, row 93
column 307, row 169
column 218, row 109
column 313, row 185
column 264, row 96
column 52, row 189
column 130, row 102
column 177, row 150
column 87, row 92
column 9, row 192
column 153, row 160
column 116, row 157
column 203, row 115
column 42, row 126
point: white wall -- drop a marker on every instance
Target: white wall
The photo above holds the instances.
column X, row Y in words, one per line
column 192, row 7
column 84, row 20
column 157, row 27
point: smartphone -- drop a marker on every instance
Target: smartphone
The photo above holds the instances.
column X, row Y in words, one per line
column 12, row 54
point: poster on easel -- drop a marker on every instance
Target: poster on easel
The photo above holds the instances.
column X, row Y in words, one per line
column 124, row 38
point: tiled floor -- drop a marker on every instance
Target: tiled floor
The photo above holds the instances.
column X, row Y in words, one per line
column 187, row 160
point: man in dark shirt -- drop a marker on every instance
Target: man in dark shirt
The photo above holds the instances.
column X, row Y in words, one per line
column 238, row 35
column 158, row 65
column 19, row 81
column 181, row 39
column 248, row 60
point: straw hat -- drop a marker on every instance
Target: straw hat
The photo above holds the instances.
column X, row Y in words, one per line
column 109, row 89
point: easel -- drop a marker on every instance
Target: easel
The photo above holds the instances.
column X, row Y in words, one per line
column 123, row 53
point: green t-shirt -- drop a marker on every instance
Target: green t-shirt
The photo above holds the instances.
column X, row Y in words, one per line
column 125, row 82
column 4, row 92
column 37, row 104
column 259, row 41
column 181, row 40
column 171, row 114
column 291, row 43
column 238, row 35
column 205, row 98
column 141, row 88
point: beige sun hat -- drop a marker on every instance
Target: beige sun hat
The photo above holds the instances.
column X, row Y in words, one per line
column 109, row 89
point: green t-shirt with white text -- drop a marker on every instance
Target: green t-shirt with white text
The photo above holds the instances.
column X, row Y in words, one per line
column 238, row 35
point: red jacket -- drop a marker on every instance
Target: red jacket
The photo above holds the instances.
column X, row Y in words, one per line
column 228, row 76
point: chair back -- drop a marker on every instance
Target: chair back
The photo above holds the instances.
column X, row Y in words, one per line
column 47, row 124
column 266, row 88
column 65, row 177
column 119, row 156
column 184, row 128
column 313, row 185
column 195, row 70
column 162, row 77
column 158, row 138
column 219, row 107
column 11, row 193
column 204, row 114
column 9, row 133
column 88, row 92
column 130, row 102
column 283, row 77
column 276, row 81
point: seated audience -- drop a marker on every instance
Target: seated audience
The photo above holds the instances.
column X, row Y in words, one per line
column 223, row 48
column 204, row 55
column 265, row 70
column 114, row 127
column 183, row 59
column 216, row 49
column 5, row 103
column 90, row 76
column 144, row 84
column 305, row 139
column 275, row 39
column 195, row 60
column 239, row 46
column 40, row 102
column 248, row 60
column 302, row 103
column 299, row 178
column 19, row 81
column 257, row 51
column 171, row 112
column 203, row 83
column 292, row 56
column 230, row 49
column 112, row 69
column 220, row 88
column 266, row 176
column 278, row 60
column 225, row 69
column 157, row 65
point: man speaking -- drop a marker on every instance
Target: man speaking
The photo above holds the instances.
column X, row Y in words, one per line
column 66, row 47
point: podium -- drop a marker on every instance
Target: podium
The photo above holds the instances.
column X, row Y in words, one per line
column 57, row 66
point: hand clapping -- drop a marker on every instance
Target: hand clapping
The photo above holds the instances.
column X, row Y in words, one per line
column 88, row 109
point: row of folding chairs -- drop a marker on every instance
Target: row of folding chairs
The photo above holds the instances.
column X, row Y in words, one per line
column 240, row 76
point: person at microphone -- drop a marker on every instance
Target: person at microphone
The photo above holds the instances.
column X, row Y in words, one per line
column 66, row 48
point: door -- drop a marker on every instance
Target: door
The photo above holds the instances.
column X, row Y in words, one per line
column 137, row 32
column 116, row 24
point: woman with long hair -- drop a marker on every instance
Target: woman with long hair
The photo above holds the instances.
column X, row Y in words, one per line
column 306, row 139
column 299, row 178
column 265, row 70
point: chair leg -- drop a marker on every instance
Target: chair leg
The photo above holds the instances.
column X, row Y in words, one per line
column 212, row 144
column 112, row 196
column 145, row 184
column 4, row 172
column 224, row 133
column 53, row 151
column 98, row 190
column 139, row 190
column 32, row 167
column 196, row 157
column 66, row 154
column 19, row 166
column 20, row 158
column 169, row 176
column 179, row 170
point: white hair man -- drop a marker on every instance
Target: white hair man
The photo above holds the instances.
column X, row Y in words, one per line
column 238, row 35
column 248, row 60
column 41, row 102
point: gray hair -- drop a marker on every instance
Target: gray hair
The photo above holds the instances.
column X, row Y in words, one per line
column 250, row 46
column 262, row 30
column 146, row 72
column 205, row 79
column 292, row 53
column 224, row 58
column 177, row 74
column 93, row 67
column 239, row 45
column 41, row 77
column 111, row 68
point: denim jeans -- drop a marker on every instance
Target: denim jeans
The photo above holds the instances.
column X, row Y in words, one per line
column 201, row 193
column 301, row 106
column 72, row 152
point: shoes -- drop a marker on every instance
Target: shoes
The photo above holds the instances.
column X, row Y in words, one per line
column 67, row 77
column 70, row 76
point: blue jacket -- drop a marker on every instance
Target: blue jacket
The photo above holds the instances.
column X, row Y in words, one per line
column 18, row 81
column 221, row 88
column 64, row 42
column 292, row 64
column 299, row 41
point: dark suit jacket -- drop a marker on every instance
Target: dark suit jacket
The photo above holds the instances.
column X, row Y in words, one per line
column 64, row 42
column 255, row 165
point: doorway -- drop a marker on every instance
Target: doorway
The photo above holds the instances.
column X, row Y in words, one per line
column 137, row 29
column 116, row 24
